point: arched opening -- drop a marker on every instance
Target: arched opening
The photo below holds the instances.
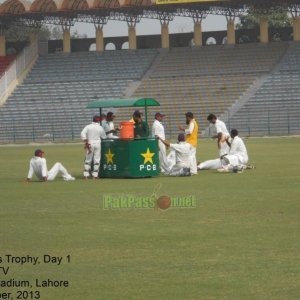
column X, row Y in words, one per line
column 75, row 4
column 43, row 6
column 92, row 47
column 110, row 46
column 13, row 7
column 211, row 41
column 125, row 46
column 224, row 40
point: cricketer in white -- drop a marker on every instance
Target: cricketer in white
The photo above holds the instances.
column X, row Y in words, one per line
column 182, row 154
column 236, row 158
column 91, row 135
column 109, row 127
column 38, row 166
column 159, row 130
column 222, row 134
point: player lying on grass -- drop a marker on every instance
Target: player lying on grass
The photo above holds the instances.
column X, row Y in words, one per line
column 235, row 160
column 38, row 166
column 182, row 156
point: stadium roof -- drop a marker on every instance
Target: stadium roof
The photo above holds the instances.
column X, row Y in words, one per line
column 100, row 11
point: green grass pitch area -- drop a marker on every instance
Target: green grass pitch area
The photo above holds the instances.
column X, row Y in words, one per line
column 240, row 242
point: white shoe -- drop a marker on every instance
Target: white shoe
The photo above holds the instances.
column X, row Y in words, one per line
column 69, row 178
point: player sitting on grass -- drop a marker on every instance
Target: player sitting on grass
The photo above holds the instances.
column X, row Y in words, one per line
column 236, row 160
column 182, row 156
column 38, row 166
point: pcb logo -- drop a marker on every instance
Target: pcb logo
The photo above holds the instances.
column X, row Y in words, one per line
column 148, row 161
column 110, row 166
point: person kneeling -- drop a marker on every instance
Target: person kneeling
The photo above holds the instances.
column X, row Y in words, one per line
column 182, row 152
column 38, row 166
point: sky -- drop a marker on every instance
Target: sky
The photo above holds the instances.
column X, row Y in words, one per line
column 147, row 26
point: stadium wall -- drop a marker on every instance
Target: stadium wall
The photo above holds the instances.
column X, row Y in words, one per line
column 176, row 40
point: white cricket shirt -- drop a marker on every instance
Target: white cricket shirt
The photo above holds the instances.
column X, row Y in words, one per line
column 158, row 129
column 93, row 133
column 182, row 153
column 37, row 166
column 238, row 148
column 220, row 127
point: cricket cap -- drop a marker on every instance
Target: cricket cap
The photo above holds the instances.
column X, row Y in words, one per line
column 38, row 152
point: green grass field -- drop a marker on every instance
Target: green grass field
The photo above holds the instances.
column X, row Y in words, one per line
column 241, row 242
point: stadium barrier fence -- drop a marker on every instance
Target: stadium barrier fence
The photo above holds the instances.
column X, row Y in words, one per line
column 15, row 132
column 15, row 71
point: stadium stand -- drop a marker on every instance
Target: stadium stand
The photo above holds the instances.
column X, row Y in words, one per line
column 207, row 79
column 215, row 60
column 5, row 61
column 275, row 108
column 51, row 102
column 85, row 66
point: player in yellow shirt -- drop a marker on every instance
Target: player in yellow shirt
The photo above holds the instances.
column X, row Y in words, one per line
column 191, row 133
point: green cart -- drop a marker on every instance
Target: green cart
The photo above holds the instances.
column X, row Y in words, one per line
column 136, row 158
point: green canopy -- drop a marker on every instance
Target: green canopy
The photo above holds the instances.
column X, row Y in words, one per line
column 143, row 102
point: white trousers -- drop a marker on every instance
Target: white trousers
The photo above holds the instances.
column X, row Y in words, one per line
column 164, row 166
column 94, row 155
column 233, row 160
column 57, row 168
column 213, row 164
column 176, row 170
column 193, row 160
column 228, row 162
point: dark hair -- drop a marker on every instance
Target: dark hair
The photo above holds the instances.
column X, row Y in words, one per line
column 109, row 114
column 181, row 137
column 234, row 132
column 189, row 115
column 210, row 117
column 137, row 114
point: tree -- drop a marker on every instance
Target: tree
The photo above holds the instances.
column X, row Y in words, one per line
column 277, row 18
column 17, row 32
column 56, row 33
column 77, row 35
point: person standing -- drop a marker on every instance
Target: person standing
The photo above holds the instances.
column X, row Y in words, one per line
column 158, row 130
column 141, row 128
column 38, row 166
column 91, row 135
column 109, row 127
column 222, row 134
column 191, row 133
